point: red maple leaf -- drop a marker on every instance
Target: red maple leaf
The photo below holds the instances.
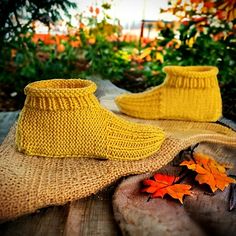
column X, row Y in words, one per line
column 165, row 184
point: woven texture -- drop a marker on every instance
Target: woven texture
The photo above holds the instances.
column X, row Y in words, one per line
column 28, row 183
column 188, row 93
column 63, row 118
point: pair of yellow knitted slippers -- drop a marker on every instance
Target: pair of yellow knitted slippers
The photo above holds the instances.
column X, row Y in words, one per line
column 63, row 118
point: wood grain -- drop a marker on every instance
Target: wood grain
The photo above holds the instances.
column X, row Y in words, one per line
column 202, row 213
column 88, row 216
column 47, row 221
column 92, row 216
column 6, row 121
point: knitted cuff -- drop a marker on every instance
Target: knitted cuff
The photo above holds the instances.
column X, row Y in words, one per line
column 60, row 94
column 191, row 76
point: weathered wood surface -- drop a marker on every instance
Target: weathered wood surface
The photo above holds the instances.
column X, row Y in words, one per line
column 202, row 213
column 6, row 121
column 90, row 216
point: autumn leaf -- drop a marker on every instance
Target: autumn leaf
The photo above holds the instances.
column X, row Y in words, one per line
column 209, row 4
column 209, row 171
column 228, row 7
column 165, row 184
column 159, row 57
column 145, row 53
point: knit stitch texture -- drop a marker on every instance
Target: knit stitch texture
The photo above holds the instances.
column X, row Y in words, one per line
column 28, row 183
column 63, row 118
column 187, row 93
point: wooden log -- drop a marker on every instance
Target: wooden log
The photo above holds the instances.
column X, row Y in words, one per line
column 202, row 213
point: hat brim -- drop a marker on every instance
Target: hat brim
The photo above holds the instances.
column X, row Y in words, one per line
column 28, row 183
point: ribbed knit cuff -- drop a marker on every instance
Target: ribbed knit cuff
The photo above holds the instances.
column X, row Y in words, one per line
column 60, row 94
column 191, row 76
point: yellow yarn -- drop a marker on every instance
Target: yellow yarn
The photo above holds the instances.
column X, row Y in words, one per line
column 188, row 93
column 63, row 118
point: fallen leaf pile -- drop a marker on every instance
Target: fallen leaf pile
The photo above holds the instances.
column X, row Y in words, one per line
column 165, row 184
column 209, row 171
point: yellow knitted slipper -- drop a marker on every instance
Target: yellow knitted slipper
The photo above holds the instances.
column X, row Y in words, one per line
column 188, row 93
column 63, row 118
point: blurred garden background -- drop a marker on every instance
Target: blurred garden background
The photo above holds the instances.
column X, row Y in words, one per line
column 126, row 42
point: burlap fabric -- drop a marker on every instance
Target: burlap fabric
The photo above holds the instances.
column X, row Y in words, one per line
column 28, row 183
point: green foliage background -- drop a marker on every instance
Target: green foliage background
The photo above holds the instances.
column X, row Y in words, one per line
column 23, row 61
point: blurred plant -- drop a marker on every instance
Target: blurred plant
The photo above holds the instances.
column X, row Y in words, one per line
column 208, row 37
column 18, row 15
column 27, row 61
column 101, row 44
column 22, row 60
column 204, row 35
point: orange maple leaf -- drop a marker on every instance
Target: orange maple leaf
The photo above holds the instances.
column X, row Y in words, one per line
column 165, row 184
column 209, row 171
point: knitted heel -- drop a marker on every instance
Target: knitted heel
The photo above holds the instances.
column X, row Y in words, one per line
column 188, row 93
column 63, row 118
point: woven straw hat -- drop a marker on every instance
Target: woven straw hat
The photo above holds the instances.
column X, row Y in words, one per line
column 28, row 183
